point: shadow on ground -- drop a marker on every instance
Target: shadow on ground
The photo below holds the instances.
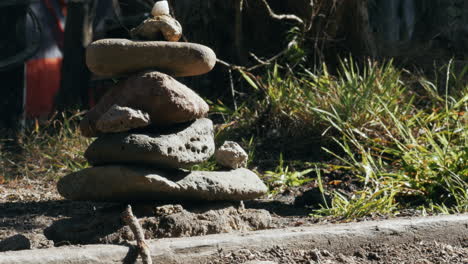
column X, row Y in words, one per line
column 67, row 222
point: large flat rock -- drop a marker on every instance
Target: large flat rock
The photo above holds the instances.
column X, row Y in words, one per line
column 116, row 183
column 179, row 147
column 166, row 101
column 114, row 57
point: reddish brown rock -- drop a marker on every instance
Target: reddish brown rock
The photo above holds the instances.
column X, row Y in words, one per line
column 117, row 57
column 166, row 100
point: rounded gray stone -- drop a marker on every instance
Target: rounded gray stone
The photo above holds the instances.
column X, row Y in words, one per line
column 115, row 57
column 118, row 183
column 180, row 147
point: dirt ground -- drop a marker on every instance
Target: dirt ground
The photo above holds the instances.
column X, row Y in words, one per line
column 418, row 253
column 35, row 210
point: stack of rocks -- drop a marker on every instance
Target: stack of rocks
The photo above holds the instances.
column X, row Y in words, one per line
column 150, row 128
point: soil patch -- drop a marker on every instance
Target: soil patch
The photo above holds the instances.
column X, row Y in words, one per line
column 105, row 227
column 422, row 252
column 36, row 211
column 389, row 241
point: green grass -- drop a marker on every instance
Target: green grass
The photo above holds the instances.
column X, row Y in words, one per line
column 282, row 177
column 401, row 135
column 409, row 156
column 46, row 151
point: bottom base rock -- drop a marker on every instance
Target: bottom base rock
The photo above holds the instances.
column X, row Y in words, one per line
column 116, row 183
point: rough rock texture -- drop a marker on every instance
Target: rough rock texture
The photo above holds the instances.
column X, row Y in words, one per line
column 121, row 119
column 166, row 100
column 165, row 221
column 226, row 220
column 16, row 242
column 231, row 155
column 129, row 183
column 180, row 147
column 158, row 28
column 115, row 57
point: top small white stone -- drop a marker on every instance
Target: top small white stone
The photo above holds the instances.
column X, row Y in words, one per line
column 160, row 8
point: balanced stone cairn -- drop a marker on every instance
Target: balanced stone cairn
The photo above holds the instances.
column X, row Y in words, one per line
column 150, row 128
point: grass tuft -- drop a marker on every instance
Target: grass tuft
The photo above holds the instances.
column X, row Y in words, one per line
column 47, row 151
column 399, row 134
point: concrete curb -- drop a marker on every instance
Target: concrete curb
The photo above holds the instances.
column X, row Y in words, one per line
column 334, row 237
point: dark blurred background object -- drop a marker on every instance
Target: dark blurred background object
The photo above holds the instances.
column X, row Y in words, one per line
column 13, row 53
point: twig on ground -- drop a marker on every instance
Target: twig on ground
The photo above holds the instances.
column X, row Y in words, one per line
column 132, row 222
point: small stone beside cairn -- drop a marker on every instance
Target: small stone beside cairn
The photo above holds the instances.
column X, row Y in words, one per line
column 150, row 127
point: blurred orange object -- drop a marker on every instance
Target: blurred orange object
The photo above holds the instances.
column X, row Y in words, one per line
column 43, row 83
column 43, row 71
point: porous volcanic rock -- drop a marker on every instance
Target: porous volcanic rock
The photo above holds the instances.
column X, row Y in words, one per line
column 178, row 147
column 121, row 119
column 118, row 183
column 166, row 100
column 115, row 57
column 231, row 155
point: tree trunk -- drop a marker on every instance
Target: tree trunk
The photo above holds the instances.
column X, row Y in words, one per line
column 75, row 75
column 13, row 79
